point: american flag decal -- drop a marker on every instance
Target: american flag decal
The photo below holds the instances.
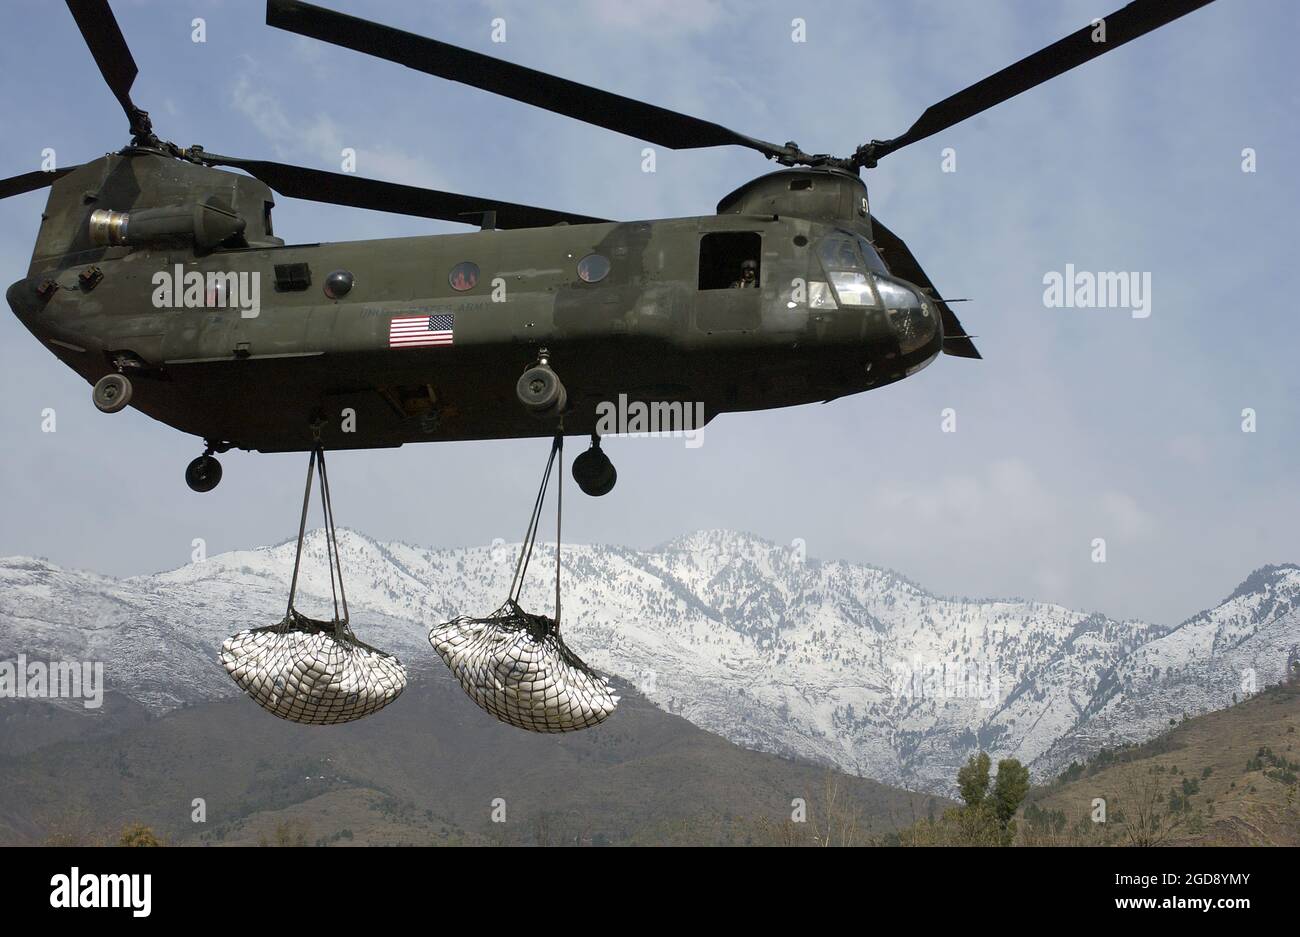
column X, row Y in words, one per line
column 410, row 331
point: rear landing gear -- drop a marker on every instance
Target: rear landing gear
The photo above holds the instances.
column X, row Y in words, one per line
column 593, row 471
column 203, row 473
column 112, row 392
column 540, row 390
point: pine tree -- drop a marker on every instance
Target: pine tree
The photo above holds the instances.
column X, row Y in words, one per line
column 1009, row 792
column 973, row 780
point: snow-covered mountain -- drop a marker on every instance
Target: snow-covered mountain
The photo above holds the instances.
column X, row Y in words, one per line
column 837, row 662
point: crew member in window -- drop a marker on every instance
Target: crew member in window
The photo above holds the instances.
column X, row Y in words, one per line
column 748, row 276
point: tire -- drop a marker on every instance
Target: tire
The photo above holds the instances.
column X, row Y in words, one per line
column 540, row 390
column 594, row 473
column 112, row 393
column 203, row 474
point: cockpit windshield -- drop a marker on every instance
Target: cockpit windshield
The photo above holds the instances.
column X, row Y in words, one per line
column 845, row 251
column 846, row 262
column 838, row 252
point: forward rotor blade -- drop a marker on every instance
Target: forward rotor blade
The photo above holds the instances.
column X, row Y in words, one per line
column 342, row 189
column 558, row 95
column 1137, row 19
column 99, row 28
column 30, row 181
column 901, row 263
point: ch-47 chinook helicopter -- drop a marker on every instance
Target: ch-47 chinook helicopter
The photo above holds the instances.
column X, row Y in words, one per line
column 793, row 292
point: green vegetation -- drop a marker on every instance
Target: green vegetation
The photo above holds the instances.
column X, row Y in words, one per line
column 987, row 814
column 1275, row 767
column 137, row 834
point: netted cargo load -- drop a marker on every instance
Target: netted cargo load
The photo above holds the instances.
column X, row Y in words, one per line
column 310, row 671
column 515, row 665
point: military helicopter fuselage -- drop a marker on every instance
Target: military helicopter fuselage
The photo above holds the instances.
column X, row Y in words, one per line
column 157, row 276
column 170, row 273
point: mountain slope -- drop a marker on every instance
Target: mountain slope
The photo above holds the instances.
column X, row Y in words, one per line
column 428, row 770
column 1226, row 778
column 839, row 663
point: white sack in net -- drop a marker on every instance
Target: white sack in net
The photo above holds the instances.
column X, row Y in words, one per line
column 525, row 676
column 306, row 673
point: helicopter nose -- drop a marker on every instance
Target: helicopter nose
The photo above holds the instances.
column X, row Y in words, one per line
column 917, row 327
column 30, row 301
column 24, row 301
column 914, row 320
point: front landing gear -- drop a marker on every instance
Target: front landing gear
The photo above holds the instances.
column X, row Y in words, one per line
column 204, row 473
column 112, row 393
column 593, row 471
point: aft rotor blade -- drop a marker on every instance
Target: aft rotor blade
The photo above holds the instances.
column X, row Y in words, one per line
column 30, row 181
column 558, row 95
column 99, row 28
column 336, row 188
column 1136, row 19
column 902, row 263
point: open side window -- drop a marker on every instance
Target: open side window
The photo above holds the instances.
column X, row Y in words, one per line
column 723, row 255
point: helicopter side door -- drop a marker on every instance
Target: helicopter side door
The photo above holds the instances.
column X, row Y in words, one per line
column 726, row 300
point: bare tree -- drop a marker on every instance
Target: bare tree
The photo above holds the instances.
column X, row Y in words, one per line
column 835, row 819
column 286, row 833
column 832, row 819
column 1140, row 812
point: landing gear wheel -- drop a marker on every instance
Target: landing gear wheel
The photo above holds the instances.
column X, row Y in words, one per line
column 203, row 473
column 112, row 392
column 593, row 471
column 540, row 390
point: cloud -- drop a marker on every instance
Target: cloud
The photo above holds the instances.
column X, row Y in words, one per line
column 1125, row 516
column 323, row 139
column 1005, row 494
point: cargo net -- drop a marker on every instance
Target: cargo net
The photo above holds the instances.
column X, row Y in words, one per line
column 309, row 671
column 312, row 672
column 515, row 665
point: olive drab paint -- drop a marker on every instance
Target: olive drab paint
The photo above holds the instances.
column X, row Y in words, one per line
column 625, row 309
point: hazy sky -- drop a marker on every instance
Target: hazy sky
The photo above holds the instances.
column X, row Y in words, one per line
column 1079, row 423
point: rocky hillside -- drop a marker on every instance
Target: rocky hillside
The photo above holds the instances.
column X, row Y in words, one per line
column 840, row 663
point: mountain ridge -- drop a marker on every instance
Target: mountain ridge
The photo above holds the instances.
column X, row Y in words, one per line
column 847, row 664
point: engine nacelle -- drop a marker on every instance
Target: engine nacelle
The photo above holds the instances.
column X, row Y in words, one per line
column 203, row 224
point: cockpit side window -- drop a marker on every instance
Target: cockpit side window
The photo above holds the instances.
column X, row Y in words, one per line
column 875, row 263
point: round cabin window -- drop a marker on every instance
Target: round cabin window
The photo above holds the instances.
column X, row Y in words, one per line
column 463, row 276
column 593, row 268
column 338, row 284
